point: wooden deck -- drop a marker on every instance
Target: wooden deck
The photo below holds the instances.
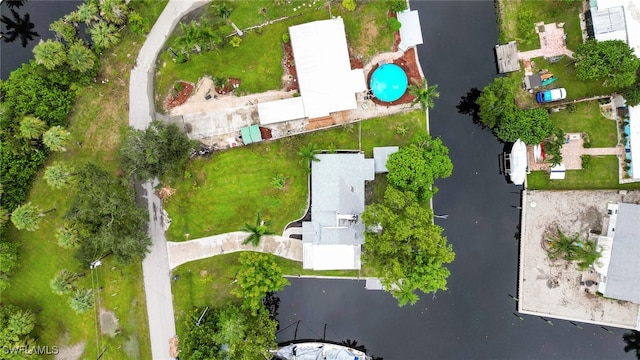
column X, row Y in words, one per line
column 507, row 57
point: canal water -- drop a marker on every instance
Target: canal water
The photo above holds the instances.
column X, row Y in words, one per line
column 41, row 14
column 475, row 318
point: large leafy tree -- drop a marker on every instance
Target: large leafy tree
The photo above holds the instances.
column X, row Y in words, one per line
column 230, row 333
column 155, row 151
column 611, row 60
column 257, row 230
column 258, row 275
column 15, row 326
column 8, row 262
column 424, row 94
column 497, row 101
column 106, row 218
column 415, row 167
column 28, row 217
column 530, row 125
column 404, row 247
column 50, row 54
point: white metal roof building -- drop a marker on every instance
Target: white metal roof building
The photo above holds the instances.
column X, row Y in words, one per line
column 410, row 31
column 620, row 262
column 631, row 11
column 333, row 238
column 327, row 83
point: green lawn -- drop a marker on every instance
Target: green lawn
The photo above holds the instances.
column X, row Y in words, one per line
column 534, row 11
column 226, row 190
column 587, row 118
column 208, row 282
column 566, row 74
column 257, row 62
column 97, row 120
column 602, row 173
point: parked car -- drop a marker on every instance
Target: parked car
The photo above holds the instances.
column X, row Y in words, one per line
column 551, row 95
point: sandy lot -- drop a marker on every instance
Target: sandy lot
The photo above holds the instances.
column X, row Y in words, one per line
column 553, row 288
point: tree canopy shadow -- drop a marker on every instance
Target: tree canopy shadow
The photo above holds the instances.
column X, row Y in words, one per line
column 632, row 341
column 468, row 106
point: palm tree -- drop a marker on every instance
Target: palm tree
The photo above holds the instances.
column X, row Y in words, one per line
column 104, row 35
column 58, row 175
column 50, row 54
column 67, row 238
column 64, row 30
column 18, row 27
column 113, row 11
column 308, row 154
column 14, row 3
column 424, row 94
column 56, row 138
column 562, row 246
column 28, row 216
column 87, row 13
column 31, row 127
column 257, row 230
column 82, row 300
column 80, row 58
column 63, row 282
column 405, row 294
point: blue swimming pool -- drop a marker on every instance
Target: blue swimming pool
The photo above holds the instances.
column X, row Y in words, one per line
column 388, row 82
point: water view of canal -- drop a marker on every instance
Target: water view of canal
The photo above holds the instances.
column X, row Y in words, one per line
column 475, row 318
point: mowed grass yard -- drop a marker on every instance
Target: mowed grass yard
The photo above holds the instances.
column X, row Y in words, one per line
column 257, row 61
column 588, row 119
column 602, row 173
column 98, row 120
column 532, row 11
column 221, row 193
column 208, row 282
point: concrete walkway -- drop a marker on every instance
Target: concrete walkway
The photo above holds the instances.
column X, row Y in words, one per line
column 183, row 252
column 155, row 266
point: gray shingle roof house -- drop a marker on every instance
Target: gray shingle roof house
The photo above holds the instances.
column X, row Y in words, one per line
column 622, row 275
column 333, row 238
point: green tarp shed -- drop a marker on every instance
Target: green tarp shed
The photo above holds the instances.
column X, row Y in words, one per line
column 250, row 134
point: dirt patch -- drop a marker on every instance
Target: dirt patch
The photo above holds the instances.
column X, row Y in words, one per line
column 108, row 322
column 72, row 352
column 290, row 75
column 178, row 95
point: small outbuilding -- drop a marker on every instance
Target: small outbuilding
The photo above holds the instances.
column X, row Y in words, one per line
column 250, row 134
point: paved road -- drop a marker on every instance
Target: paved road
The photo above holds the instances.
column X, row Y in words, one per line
column 155, row 266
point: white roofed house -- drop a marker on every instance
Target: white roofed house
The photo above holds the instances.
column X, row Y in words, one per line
column 620, row 20
column 332, row 239
column 619, row 265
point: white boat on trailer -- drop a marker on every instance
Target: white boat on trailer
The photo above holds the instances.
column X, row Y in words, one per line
column 318, row 351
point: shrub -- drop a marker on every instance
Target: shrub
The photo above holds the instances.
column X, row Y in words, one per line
column 235, row 41
column 525, row 24
column 397, row 5
column 278, row 181
column 572, row 108
column 394, row 24
column 349, row 5
column 586, row 161
column 285, row 37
